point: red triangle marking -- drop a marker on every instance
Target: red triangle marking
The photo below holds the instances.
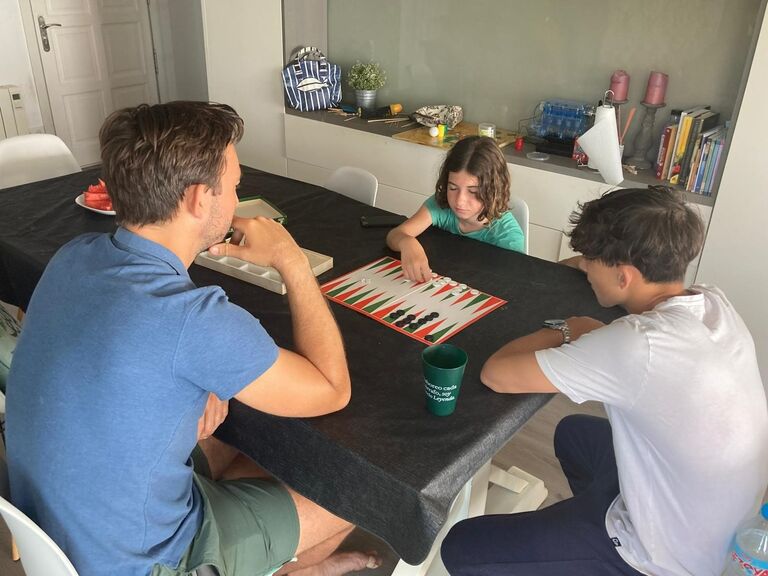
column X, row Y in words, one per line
column 424, row 331
column 445, row 288
column 328, row 286
column 492, row 301
column 393, row 264
column 365, row 301
column 465, row 296
column 385, row 311
column 349, row 293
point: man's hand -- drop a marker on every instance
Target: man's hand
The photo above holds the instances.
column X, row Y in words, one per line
column 264, row 242
column 215, row 412
column 581, row 325
column 414, row 259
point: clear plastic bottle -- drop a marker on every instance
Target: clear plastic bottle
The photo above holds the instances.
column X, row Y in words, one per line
column 748, row 555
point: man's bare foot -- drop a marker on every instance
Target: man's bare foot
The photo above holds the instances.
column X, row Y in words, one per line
column 341, row 563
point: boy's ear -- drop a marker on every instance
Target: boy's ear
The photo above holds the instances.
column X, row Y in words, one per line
column 196, row 200
column 626, row 275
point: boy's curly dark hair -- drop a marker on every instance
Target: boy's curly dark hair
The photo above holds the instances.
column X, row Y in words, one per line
column 652, row 229
column 481, row 157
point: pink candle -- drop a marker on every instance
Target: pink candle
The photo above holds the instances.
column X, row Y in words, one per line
column 657, row 88
column 620, row 85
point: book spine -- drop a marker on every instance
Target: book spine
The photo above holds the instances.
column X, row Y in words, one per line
column 702, row 169
column 662, row 155
column 670, row 152
column 694, row 165
column 684, row 131
column 715, row 166
column 690, row 150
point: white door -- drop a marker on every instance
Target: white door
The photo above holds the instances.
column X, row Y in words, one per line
column 98, row 57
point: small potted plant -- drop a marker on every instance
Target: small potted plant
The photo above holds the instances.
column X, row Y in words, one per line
column 366, row 79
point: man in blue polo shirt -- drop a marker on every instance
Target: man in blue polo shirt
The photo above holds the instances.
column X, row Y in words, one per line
column 124, row 364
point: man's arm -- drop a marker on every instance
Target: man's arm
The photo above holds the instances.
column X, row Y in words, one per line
column 514, row 368
column 314, row 379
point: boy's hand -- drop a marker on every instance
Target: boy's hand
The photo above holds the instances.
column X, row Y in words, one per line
column 414, row 259
column 264, row 242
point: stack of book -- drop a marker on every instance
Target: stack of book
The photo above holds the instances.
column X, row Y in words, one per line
column 690, row 149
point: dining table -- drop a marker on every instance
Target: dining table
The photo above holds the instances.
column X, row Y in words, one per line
column 384, row 462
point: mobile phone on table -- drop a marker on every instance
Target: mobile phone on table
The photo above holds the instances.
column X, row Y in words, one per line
column 381, row 220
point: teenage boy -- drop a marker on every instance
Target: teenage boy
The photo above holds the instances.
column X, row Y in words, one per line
column 661, row 485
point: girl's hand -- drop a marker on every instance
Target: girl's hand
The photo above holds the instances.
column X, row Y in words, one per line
column 414, row 259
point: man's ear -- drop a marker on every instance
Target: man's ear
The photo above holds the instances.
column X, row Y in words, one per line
column 197, row 199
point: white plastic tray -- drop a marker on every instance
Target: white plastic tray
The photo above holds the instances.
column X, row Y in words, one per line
column 263, row 276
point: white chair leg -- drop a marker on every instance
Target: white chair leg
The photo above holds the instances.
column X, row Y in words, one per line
column 513, row 491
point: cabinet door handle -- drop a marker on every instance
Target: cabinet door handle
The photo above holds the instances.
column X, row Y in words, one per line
column 44, row 32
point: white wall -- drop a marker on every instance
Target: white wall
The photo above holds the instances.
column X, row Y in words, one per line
column 15, row 67
column 734, row 252
column 177, row 32
column 244, row 56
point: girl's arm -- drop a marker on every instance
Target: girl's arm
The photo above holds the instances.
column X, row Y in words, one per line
column 403, row 239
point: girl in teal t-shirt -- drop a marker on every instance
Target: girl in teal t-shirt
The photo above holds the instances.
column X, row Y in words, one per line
column 471, row 199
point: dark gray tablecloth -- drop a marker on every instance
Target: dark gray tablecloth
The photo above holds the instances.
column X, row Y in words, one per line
column 383, row 463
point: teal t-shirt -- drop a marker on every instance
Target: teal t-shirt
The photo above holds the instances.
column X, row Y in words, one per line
column 503, row 232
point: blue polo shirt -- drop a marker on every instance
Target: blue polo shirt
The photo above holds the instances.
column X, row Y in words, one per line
column 110, row 376
column 504, row 231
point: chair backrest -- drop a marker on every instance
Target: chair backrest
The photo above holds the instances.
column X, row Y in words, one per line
column 354, row 183
column 34, row 157
column 9, row 334
column 40, row 556
column 519, row 210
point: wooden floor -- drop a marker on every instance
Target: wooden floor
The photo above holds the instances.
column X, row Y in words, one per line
column 531, row 449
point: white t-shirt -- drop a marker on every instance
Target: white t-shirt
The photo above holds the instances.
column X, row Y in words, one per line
column 683, row 393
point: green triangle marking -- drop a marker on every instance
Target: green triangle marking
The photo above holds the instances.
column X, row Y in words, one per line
column 380, row 263
column 447, row 297
column 357, row 297
column 440, row 333
column 478, row 298
column 394, row 271
column 376, row 305
column 337, row 291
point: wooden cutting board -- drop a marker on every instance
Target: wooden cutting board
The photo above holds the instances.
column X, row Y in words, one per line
column 421, row 135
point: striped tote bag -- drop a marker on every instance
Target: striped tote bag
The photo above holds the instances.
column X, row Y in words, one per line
column 311, row 82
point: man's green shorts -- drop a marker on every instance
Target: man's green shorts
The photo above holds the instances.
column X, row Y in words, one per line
column 250, row 526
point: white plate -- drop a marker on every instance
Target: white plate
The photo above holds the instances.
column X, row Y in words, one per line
column 80, row 201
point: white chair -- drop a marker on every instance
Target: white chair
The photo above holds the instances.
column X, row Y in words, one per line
column 34, row 157
column 519, row 210
column 354, row 183
column 40, row 556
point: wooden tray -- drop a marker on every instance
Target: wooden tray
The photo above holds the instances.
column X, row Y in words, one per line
column 263, row 276
column 421, row 136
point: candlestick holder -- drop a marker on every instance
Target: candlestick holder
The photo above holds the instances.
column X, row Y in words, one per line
column 643, row 139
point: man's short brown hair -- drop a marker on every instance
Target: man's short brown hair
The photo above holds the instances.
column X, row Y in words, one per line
column 151, row 154
column 652, row 229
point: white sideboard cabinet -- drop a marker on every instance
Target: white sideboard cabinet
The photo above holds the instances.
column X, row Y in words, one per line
column 407, row 173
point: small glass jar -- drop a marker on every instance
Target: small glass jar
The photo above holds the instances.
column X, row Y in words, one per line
column 486, row 129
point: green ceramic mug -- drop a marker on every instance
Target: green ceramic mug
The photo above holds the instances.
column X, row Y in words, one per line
column 443, row 370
